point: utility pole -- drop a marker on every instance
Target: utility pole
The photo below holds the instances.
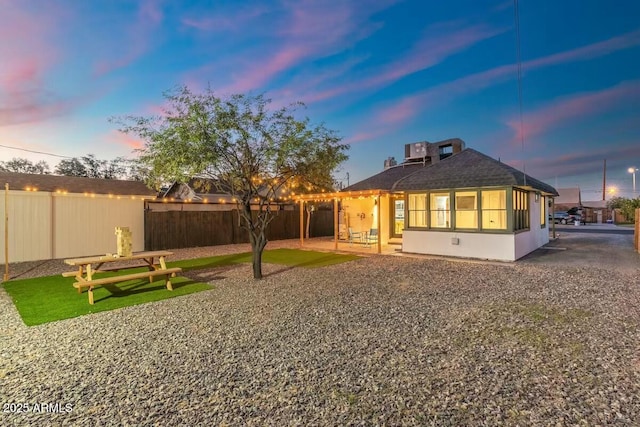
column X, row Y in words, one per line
column 604, row 179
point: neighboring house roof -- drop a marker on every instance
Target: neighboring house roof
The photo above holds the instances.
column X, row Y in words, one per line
column 386, row 179
column 596, row 204
column 568, row 196
column 203, row 189
column 469, row 169
column 73, row 184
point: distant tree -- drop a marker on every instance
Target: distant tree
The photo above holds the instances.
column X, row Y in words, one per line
column 90, row 167
column 71, row 167
column 137, row 171
column 115, row 169
column 21, row 165
column 616, row 202
column 248, row 151
column 627, row 207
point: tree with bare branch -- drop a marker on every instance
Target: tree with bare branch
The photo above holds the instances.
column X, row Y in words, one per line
column 257, row 155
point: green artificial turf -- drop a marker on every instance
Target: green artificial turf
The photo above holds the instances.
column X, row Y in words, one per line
column 290, row 257
column 47, row 299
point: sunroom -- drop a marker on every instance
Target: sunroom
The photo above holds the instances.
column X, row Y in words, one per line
column 465, row 205
column 473, row 206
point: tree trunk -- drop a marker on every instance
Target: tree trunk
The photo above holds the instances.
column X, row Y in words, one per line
column 257, row 238
column 258, row 242
column 256, row 259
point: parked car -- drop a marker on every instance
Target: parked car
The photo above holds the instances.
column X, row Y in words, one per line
column 565, row 218
column 576, row 217
column 560, row 218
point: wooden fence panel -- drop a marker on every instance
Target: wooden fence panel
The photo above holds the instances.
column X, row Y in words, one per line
column 185, row 229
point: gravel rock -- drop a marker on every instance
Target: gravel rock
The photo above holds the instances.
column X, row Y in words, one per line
column 384, row 340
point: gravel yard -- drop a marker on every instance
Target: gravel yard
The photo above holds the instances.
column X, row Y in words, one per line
column 385, row 340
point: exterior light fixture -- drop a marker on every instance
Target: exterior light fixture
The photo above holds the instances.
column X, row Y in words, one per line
column 633, row 171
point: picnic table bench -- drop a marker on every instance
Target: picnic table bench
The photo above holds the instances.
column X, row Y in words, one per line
column 88, row 266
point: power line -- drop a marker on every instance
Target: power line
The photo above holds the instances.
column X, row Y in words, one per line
column 519, row 67
column 35, row 151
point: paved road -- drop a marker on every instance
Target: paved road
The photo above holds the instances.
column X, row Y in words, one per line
column 603, row 245
column 600, row 228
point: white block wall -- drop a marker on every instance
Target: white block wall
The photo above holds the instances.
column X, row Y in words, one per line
column 45, row 225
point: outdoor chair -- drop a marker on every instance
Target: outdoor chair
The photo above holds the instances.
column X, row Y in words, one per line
column 372, row 237
column 354, row 235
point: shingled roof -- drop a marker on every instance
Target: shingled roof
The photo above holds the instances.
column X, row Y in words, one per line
column 469, row 169
column 386, row 179
column 74, row 184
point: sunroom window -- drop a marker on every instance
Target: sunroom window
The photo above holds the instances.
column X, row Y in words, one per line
column 494, row 210
column 440, row 210
column 417, row 210
column 520, row 210
column 466, row 209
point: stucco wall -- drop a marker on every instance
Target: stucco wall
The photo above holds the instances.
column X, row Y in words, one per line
column 529, row 241
column 503, row 247
column 470, row 245
column 359, row 213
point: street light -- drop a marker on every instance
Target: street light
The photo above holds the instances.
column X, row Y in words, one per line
column 632, row 171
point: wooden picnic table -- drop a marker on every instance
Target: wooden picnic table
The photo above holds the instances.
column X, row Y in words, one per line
column 88, row 266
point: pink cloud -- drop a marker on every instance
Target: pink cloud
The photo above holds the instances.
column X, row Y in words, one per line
column 139, row 36
column 437, row 44
column 432, row 50
column 303, row 36
column 31, row 110
column 258, row 76
column 578, row 162
column 27, row 61
column 484, row 79
column 31, row 50
column 595, row 50
column 578, row 106
column 363, row 136
column 211, row 24
column 124, row 139
column 399, row 112
column 225, row 20
column 478, row 81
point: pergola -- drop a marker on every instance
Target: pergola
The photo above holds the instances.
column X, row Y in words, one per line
column 335, row 197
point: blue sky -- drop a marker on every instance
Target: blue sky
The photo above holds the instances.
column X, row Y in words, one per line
column 382, row 73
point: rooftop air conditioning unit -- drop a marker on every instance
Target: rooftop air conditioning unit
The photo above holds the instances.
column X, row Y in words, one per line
column 416, row 150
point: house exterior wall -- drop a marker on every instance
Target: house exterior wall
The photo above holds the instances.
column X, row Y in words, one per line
column 494, row 246
column 358, row 213
column 45, row 225
column 537, row 235
column 470, row 245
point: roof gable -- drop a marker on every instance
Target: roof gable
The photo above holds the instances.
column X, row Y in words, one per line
column 74, row 184
column 568, row 196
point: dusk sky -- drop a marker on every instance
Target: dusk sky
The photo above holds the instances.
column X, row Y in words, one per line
column 382, row 73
